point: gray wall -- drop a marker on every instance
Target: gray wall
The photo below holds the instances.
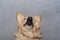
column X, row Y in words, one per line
column 49, row 9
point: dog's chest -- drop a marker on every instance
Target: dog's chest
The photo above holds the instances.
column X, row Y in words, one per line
column 28, row 27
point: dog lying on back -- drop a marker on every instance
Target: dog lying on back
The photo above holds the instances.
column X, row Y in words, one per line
column 28, row 27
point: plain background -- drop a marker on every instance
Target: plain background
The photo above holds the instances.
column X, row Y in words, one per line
column 49, row 9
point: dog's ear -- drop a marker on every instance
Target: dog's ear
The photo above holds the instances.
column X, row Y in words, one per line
column 19, row 17
column 37, row 20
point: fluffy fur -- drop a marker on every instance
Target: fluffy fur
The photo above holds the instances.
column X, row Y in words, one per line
column 28, row 32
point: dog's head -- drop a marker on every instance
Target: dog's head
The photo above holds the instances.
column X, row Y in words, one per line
column 28, row 21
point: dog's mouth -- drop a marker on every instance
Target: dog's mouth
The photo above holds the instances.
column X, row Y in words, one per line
column 29, row 21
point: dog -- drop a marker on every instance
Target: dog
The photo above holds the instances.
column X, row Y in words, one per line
column 28, row 27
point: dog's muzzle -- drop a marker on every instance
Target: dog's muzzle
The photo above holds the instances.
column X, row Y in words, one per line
column 29, row 21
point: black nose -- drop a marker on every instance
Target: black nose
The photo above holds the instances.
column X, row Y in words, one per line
column 29, row 21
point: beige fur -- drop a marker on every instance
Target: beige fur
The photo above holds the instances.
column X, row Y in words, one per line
column 22, row 32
